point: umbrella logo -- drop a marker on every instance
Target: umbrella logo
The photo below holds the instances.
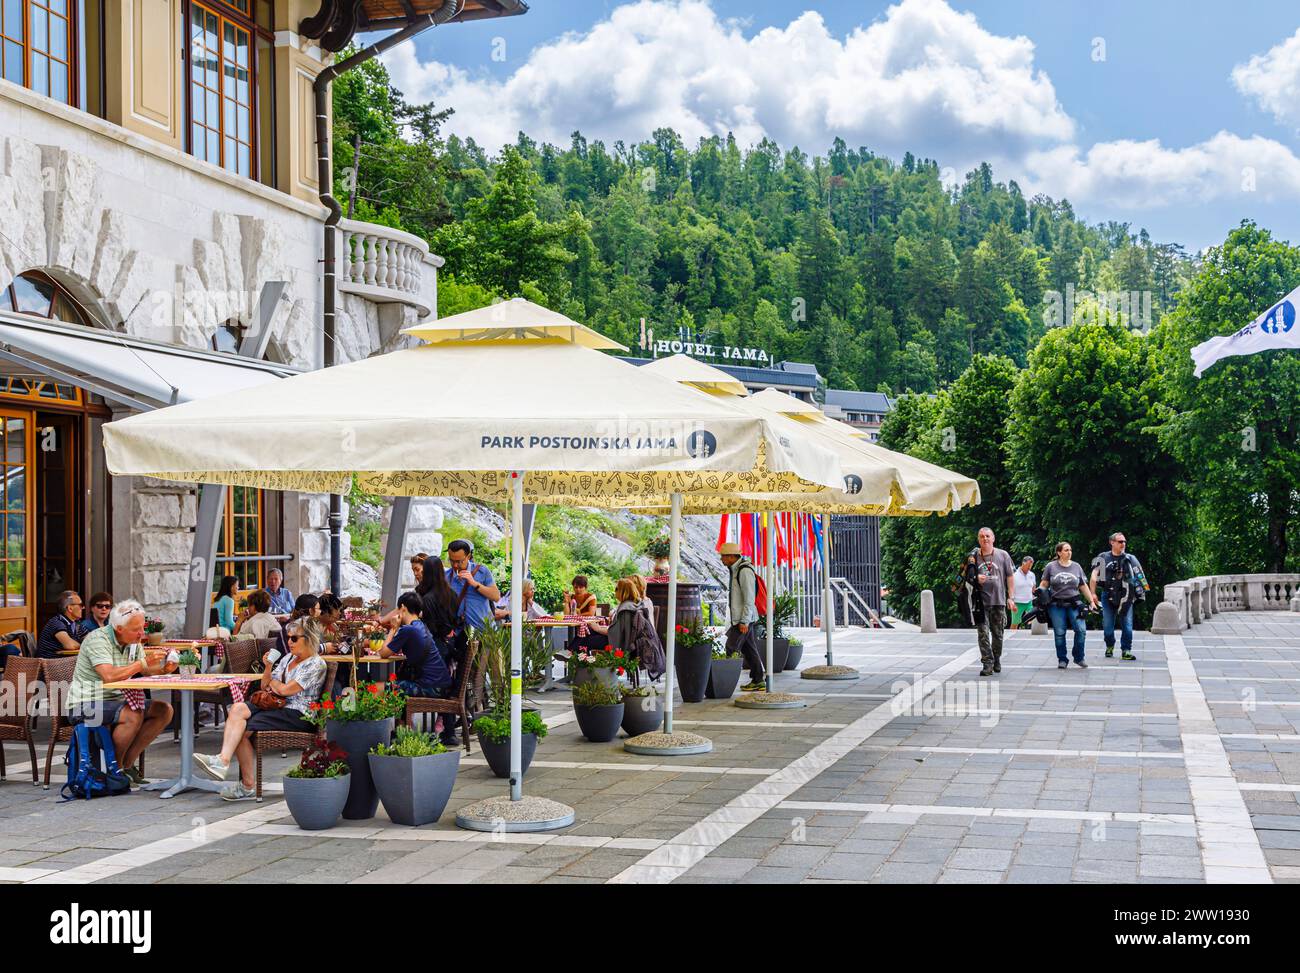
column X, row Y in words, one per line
column 701, row 444
column 853, row 483
column 1279, row 319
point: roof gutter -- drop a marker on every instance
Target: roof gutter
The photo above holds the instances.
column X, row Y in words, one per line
column 325, row 179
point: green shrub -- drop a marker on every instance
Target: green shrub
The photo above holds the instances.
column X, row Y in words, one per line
column 596, row 693
column 495, row 726
column 410, row 743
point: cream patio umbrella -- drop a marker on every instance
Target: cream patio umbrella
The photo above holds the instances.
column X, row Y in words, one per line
column 922, row 488
column 509, row 402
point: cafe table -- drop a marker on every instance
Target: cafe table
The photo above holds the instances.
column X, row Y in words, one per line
column 363, row 660
column 186, row 686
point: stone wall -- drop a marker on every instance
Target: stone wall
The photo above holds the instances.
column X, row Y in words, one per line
column 162, row 544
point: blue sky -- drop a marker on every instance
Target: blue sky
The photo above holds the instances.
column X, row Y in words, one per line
column 1156, row 129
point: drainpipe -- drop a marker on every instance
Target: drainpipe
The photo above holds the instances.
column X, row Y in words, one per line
column 325, row 178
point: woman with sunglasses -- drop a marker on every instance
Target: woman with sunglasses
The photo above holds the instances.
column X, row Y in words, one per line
column 100, row 604
column 298, row 677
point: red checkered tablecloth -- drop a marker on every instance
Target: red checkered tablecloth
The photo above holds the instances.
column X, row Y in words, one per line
column 135, row 697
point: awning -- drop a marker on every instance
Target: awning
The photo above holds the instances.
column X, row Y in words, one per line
column 134, row 371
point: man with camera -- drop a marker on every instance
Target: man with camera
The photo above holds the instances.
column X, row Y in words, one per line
column 1117, row 576
column 994, row 569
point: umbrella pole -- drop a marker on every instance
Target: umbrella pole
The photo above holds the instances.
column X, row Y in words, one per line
column 771, row 596
column 516, row 634
column 828, row 599
column 670, row 624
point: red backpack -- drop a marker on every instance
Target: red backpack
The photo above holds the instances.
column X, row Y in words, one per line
column 760, row 591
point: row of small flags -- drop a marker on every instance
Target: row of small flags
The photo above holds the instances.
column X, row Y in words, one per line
column 798, row 537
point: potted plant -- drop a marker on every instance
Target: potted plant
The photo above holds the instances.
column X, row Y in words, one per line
column 793, row 654
column 153, row 631
column 694, row 659
column 414, row 776
column 493, row 731
column 603, row 666
column 317, row 788
column 660, row 549
column 724, row 673
column 784, row 606
column 358, row 721
column 188, row 661
column 643, row 710
column 599, row 709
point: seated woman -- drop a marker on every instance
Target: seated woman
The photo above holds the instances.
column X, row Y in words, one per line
column 225, row 603
column 101, row 603
column 532, row 610
column 306, row 606
column 580, row 601
column 298, row 676
column 256, row 621
column 389, row 620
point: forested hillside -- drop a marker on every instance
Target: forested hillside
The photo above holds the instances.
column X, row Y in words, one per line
column 872, row 268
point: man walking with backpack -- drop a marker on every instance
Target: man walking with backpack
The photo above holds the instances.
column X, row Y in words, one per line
column 994, row 569
column 1123, row 583
column 742, row 612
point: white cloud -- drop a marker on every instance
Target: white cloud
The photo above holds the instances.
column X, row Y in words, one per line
column 1273, row 80
column 924, row 75
column 923, row 78
column 1146, row 175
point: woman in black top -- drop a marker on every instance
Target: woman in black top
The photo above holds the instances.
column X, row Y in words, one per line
column 439, row 615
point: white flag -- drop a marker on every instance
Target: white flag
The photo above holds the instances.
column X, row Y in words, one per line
column 1275, row 328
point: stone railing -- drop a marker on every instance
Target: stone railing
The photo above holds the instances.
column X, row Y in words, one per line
column 1190, row 602
column 383, row 265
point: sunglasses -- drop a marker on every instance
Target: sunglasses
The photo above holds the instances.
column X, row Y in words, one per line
column 102, row 604
column 296, row 638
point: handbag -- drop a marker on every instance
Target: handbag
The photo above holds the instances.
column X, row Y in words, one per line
column 266, row 699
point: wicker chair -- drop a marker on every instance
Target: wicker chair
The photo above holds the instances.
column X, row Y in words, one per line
column 20, row 679
column 238, row 656
column 467, row 703
column 57, row 674
column 265, row 741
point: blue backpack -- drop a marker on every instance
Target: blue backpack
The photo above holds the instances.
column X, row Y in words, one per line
column 85, row 779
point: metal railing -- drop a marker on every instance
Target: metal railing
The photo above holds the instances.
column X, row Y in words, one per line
column 851, row 599
column 382, row 264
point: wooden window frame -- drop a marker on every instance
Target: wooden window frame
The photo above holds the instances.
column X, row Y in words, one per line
column 225, row 548
column 226, row 13
column 74, row 48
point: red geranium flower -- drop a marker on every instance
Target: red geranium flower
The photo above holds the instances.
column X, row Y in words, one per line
column 618, row 653
column 392, row 677
column 328, row 704
column 376, row 689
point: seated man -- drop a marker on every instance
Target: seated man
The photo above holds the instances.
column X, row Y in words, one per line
column 63, row 632
column 423, row 673
column 111, row 654
column 281, row 597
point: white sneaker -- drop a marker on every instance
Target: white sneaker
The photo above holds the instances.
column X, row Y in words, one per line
column 213, row 765
column 237, row 792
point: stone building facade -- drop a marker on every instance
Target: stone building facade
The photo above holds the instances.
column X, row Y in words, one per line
column 148, row 252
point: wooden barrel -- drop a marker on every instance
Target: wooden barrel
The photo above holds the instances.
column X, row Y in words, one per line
column 688, row 604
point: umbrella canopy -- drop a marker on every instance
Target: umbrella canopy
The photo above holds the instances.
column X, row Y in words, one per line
column 932, row 488
column 918, row 487
column 509, row 387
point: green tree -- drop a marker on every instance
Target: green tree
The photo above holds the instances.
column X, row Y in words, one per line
column 1237, row 427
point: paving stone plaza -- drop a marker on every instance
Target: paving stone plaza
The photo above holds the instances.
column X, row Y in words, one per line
column 1181, row 767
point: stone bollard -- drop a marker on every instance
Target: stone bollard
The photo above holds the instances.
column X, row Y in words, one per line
column 1165, row 620
column 1038, row 628
column 928, row 623
column 1295, row 603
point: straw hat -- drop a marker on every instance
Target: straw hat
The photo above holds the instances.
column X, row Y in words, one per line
column 726, row 549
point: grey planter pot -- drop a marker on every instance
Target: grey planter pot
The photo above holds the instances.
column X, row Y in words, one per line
column 605, row 676
column 358, row 737
column 692, row 666
column 316, row 802
column 724, row 676
column 498, row 754
column 599, row 724
column 780, row 651
column 793, row 656
column 415, row 790
column 642, row 714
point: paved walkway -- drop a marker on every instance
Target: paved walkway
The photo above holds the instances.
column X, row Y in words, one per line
column 1181, row 767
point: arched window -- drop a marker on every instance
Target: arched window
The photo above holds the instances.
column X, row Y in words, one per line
column 36, row 294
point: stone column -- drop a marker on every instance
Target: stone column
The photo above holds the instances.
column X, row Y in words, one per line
column 928, row 623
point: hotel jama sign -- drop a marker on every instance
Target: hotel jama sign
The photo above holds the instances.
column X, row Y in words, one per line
column 700, row 349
